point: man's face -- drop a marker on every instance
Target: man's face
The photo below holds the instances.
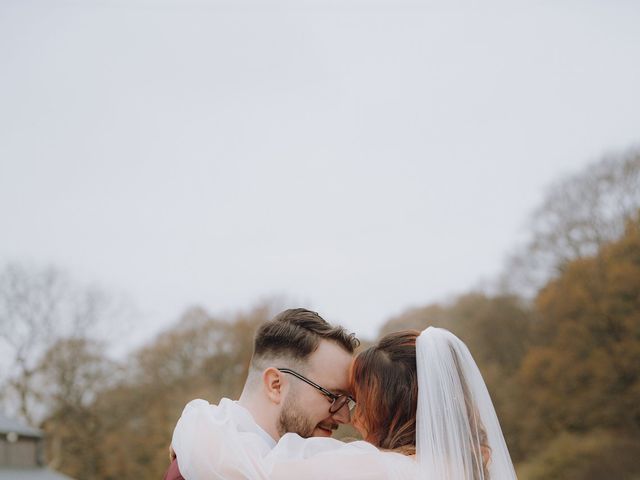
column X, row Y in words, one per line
column 305, row 411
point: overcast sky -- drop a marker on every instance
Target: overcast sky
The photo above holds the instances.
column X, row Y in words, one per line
column 361, row 157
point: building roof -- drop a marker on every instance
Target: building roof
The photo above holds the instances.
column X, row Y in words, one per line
column 12, row 425
column 31, row 474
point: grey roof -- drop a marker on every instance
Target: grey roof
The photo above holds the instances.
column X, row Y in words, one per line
column 31, row 474
column 12, row 425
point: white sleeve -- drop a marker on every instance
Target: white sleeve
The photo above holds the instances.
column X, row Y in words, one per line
column 209, row 446
column 321, row 458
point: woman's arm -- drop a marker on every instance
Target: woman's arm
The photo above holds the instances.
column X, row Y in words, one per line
column 297, row 458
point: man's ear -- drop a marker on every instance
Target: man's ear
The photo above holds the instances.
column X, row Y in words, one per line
column 274, row 384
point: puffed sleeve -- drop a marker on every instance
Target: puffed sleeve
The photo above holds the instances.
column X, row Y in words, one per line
column 209, row 446
column 321, row 458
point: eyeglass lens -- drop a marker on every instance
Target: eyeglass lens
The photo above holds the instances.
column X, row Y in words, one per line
column 340, row 402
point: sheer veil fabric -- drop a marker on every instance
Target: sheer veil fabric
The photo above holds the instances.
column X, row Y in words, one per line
column 458, row 434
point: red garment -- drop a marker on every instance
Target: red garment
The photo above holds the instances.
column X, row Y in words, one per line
column 173, row 473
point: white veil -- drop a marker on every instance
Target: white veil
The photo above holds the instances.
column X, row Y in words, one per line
column 458, row 436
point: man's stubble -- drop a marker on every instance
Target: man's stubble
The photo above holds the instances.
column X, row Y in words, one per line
column 292, row 419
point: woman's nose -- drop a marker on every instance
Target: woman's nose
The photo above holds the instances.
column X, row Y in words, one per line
column 342, row 415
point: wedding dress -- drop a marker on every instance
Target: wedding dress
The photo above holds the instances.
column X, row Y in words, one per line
column 458, row 436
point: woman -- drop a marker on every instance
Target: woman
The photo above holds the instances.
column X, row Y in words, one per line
column 422, row 409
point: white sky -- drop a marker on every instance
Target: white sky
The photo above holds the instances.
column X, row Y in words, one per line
column 361, row 157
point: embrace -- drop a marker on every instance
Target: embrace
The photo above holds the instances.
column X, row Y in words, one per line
column 417, row 398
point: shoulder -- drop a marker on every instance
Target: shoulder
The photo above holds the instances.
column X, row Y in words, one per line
column 398, row 465
column 203, row 406
column 292, row 447
column 296, row 446
column 199, row 412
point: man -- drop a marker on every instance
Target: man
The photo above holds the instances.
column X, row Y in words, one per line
column 298, row 381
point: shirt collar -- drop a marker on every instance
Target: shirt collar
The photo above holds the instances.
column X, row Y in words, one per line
column 246, row 422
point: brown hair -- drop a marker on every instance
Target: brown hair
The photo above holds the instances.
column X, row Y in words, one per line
column 296, row 333
column 385, row 384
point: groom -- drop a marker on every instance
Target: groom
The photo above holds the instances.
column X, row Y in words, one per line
column 298, row 381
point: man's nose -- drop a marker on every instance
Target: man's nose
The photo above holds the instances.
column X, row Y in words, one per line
column 342, row 415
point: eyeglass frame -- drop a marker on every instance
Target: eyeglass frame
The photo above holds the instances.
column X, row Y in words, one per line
column 334, row 397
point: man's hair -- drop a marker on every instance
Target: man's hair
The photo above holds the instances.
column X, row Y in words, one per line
column 296, row 333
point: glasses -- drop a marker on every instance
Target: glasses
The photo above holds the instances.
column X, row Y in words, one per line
column 337, row 401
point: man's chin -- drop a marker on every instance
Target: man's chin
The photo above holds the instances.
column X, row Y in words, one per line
column 322, row 432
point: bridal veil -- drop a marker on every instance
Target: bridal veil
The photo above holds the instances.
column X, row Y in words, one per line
column 458, row 436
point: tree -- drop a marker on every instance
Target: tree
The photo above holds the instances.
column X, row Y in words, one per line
column 578, row 215
column 593, row 456
column 38, row 308
column 201, row 356
column 75, row 372
column 496, row 329
column 581, row 374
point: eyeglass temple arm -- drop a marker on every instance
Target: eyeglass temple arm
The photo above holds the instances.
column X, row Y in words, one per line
column 306, row 380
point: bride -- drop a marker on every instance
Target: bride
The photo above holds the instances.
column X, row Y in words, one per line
column 421, row 407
